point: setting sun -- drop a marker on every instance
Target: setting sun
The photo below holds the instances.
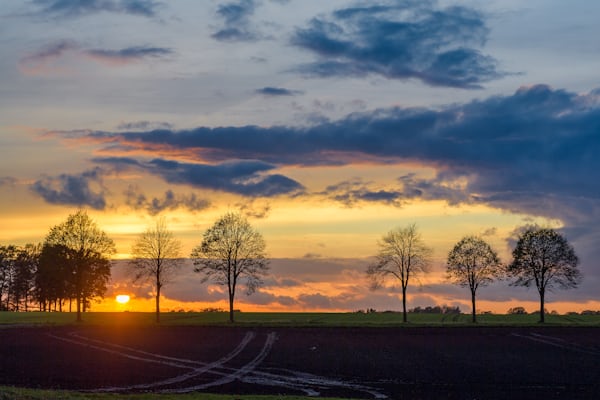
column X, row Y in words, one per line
column 122, row 299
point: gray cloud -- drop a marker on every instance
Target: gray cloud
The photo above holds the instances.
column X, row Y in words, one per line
column 236, row 22
column 407, row 40
column 276, row 91
column 353, row 192
column 128, row 54
column 170, row 201
column 76, row 8
column 73, row 189
column 144, row 125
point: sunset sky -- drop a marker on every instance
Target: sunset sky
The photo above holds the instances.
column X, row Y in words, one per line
column 327, row 123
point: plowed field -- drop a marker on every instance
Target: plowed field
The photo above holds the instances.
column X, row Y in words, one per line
column 370, row 363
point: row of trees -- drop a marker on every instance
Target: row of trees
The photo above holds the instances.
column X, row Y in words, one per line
column 73, row 263
column 542, row 258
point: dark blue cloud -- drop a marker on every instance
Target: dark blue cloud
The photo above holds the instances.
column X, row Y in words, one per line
column 245, row 177
column 73, row 189
column 276, row 91
column 534, row 151
column 236, row 22
column 400, row 40
column 76, row 8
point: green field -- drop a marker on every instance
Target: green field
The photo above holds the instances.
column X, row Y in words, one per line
column 291, row 319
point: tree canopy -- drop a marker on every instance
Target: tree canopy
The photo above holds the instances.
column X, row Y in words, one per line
column 232, row 250
column 544, row 258
column 156, row 258
column 473, row 263
column 402, row 254
column 84, row 250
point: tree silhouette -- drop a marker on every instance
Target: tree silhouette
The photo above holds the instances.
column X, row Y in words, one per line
column 156, row 258
column 402, row 254
column 231, row 250
column 85, row 250
column 543, row 257
column 473, row 263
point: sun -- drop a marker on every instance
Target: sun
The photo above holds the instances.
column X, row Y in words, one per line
column 122, row 299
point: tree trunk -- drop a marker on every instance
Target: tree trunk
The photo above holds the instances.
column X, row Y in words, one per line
column 158, row 304
column 404, row 318
column 542, row 306
column 78, row 307
column 473, row 304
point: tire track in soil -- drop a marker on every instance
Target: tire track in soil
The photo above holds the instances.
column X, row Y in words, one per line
column 304, row 382
column 558, row 342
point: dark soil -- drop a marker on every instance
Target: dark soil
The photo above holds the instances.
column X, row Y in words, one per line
column 413, row 363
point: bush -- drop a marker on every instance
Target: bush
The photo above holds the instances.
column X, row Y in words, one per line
column 517, row 310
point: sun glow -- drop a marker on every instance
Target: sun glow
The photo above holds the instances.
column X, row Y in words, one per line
column 122, row 299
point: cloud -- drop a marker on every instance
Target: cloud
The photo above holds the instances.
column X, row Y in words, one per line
column 245, row 177
column 276, row 91
column 7, row 181
column 44, row 58
column 170, row 201
column 253, row 209
column 407, row 40
column 77, row 8
column 356, row 191
column 41, row 59
column 236, row 22
column 73, row 189
column 128, row 54
column 144, row 125
column 532, row 152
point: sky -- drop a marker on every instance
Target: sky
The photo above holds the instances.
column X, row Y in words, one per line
column 326, row 123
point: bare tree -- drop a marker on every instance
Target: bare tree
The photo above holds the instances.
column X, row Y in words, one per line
column 402, row 254
column 231, row 250
column 473, row 263
column 86, row 250
column 156, row 258
column 543, row 257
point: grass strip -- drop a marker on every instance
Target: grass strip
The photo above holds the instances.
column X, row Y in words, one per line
column 288, row 319
column 15, row 393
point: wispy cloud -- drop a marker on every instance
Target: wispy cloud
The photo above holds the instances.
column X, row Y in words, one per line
column 136, row 199
column 128, row 54
column 144, row 125
column 277, row 91
column 44, row 59
column 407, row 40
column 76, row 8
column 7, row 181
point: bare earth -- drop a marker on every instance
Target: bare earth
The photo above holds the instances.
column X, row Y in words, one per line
column 370, row 363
